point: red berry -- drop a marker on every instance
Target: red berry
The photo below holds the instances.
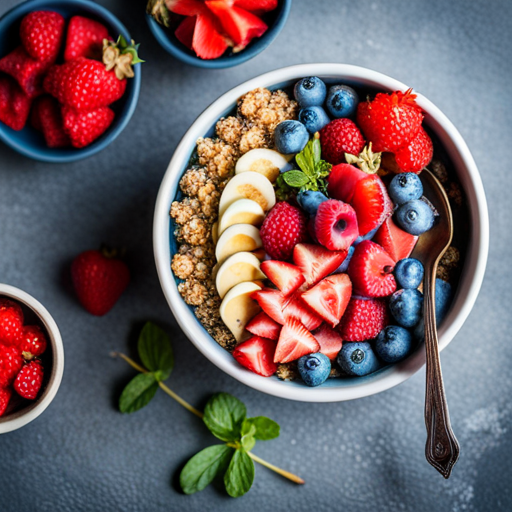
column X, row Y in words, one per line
column 185, row 32
column 371, row 270
column 297, row 309
column 84, row 84
column 336, row 225
column 5, row 397
column 257, row 355
column 285, row 276
column 262, row 325
column 41, row 34
column 14, row 104
column 84, row 38
column 271, row 302
column 329, row 340
column 47, row 117
column 390, row 121
column 82, row 128
column 416, row 155
column 363, row 319
column 257, row 6
column 11, row 322
column 339, row 137
column 342, row 181
column 294, row 341
column 395, row 241
column 29, row 380
column 32, row 342
column 284, row 227
column 11, row 362
column 99, row 280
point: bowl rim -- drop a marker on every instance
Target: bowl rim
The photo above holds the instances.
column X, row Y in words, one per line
column 105, row 140
column 469, row 285
column 24, row 416
column 221, row 62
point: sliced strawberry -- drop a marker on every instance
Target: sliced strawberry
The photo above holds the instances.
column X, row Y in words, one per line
column 363, row 319
column 262, row 325
column 208, row 42
column 240, row 25
column 294, row 341
column 296, row 308
column 257, row 355
column 185, row 31
column 395, row 241
column 329, row 340
column 316, row 262
column 370, row 270
column 285, row 276
column 342, row 181
column 371, row 203
column 272, row 302
column 329, row 298
column 186, row 7
column 256, row 6
column 336, row 225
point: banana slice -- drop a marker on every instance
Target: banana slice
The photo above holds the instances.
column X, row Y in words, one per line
column 237, row 238
column 248, row 185
column 237, row 308
column 265, row 161
column 239, row 268
column 243, row 211
column 215, row 232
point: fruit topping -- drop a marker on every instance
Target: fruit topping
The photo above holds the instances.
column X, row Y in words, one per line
column 310, row 92
column 265, row 161
column 84, row 38
column 29, row 380
column 314, row 369
column 341, row 101
column 207, row 41
column 257, row 355
column 409, row 273
column 342, row 181
column 243, row 211
column 238, row 268
column 313, row 118
column 271, row 302
column 406, row 306
column 294, row 341
column 310, row 200
column 296, row 308
column 262, row 325
column 416, row 217
column 5, row 397
column 358, row 359
column 416, row 155
column 339, row 137
column 363, row 319
column 285, row 276
column 11, row 322
column 237, row 238
column 393, row 344
column 395, row 241
column 257, row 6
column 336, row 225
column 14, row 104
column 41, row 34
column 405, row 187
column 290, row 137
column 329, row 340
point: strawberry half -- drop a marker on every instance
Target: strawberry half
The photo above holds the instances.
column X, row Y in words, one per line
column 262, row 325
column 257, row 355
column 296, row 308
column 329, row 340
column 316, row 262
column 342, row 181
column 294, row 341
column 272, row 302
column 371, row 270
column 363, row 319
column 395, row 241
column 330, row 297
column 285, row 276
column 208, row 42
column 186, row 7
column 336, row 225
column 185, row 31
column 84, row 38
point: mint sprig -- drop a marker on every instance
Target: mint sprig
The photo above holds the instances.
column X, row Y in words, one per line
column 224, row 415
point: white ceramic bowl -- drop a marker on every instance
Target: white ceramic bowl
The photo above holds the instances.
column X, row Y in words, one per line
column 334, row 389
column 31, row 411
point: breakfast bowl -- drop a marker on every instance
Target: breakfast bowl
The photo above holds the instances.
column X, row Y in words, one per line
column 275, row 20
column 29, row 141
column 474, row 230
column 21, row 411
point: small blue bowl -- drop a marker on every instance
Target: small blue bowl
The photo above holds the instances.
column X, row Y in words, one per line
column 274, row 19
column 30, row 142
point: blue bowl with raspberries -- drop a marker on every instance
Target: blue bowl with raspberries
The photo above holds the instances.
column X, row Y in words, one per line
column 368, row 362
column 29, row 141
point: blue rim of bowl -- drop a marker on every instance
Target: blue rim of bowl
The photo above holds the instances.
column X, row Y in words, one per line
column 69, row 155
column 180, row 52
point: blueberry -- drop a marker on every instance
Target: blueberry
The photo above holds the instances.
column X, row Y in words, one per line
column 406, row 307
column 310, row 92
column 313, row 118
column 393, row 343
column 344, row 266
column 405, row 187
column 290, row 137
column 341, row 101
column 415, row 217
column 357, row 358
column 314, row 369
column 443, row 301
column 309, row 200
column 409, row 273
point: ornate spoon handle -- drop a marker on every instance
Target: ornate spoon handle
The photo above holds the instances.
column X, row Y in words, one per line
column 442, row 448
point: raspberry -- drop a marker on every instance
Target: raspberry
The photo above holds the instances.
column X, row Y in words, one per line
column 10, row 364
column 363, row 319
column 29, row 380
column 284, row 227
column 11, row 322
column 339, row 137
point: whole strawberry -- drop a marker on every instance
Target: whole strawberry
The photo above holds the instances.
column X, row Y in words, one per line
column 284, row 227
column 14, row 104
column 416, row 155
column 390, row 121
column 99, row 279
column 32, row 342
column 41, row 34
column 339, row 137
column 29, row 380
column 82, row 128
column 11, row 322
column 5, row 397
column 11, row 362
column 46, row 116
column 84, row 38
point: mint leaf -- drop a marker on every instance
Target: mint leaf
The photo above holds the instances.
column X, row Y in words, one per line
column 240, row 474
column 223, row 415
column 138, row 393
column 203, row 467
column 248, row 440
column 316, row 150
column 303, row 164
column 155, row 351
column 295, row 179
column 265, row 428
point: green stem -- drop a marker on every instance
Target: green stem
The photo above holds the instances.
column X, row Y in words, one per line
column 199, row 414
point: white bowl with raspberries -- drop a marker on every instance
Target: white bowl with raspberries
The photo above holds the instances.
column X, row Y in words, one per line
column 475, row 253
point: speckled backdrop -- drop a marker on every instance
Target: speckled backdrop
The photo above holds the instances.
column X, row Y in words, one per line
column 83, row 455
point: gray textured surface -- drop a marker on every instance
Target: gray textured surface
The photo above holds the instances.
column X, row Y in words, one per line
column 83, row 455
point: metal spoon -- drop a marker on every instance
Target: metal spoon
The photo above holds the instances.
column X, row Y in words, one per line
column 442, row 448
